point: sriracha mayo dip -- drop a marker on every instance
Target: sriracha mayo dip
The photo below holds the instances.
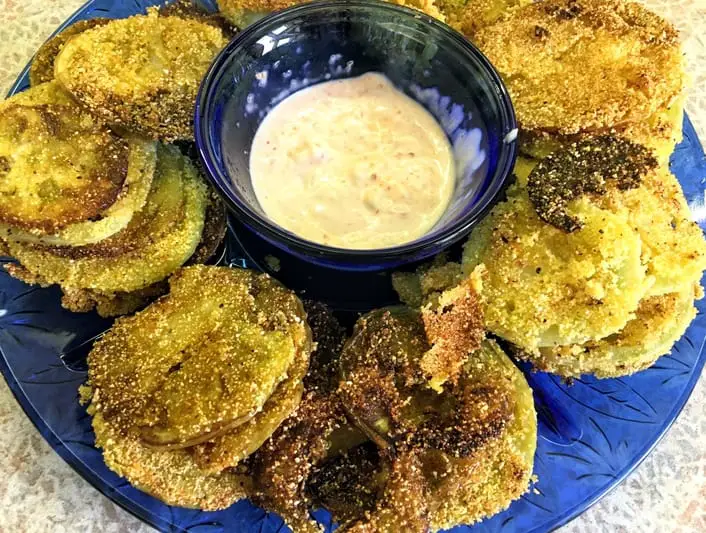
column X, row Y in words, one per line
column 352, row 163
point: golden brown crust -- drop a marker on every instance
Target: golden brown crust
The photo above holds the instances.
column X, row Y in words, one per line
column 156, row 242
column 230, row 449
column 214, row 231
column 42, row 69
column 88, row 165
column 659, row 322
column 541, row 286
column 279, row 480
column 242, row 13
column 188, row 9
column 575, row 66
column 169, row 475
column 455, row 328
column 469, row 16
column 239, row 333
column 587, row 167
column 142, row 73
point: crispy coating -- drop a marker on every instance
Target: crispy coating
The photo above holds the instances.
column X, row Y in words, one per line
column 58, row 164
column 454, row 327
column 659, row 322
column 384, row 393
column 403, row 504
column 282, row 466
column 238, row 335
column 574, row 66
column 189, row 9
column 123, row 303
column 156, row 242
column 673, row 245
column 141, row 163
column 42, row 69
column 660, row 132
column 467, row 489
column 329, row 337
column 130, row 199
column 622, row 177
column 469, row 16
column 426, row 284
column 541, row 286
column 582, row 168
column 242, row 13
column 214, row 230
column 108, row 305
column 169, row 475
column 230, row 449
column 460, row 455
column 142, row 73
column 350, row 483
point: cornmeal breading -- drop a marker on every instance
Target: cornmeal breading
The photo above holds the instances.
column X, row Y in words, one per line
column 141, row 73
column 579, row 66
column 130, row 198
column 541, row 286
column 659, row 322
column 157, row 241
column 200, row 361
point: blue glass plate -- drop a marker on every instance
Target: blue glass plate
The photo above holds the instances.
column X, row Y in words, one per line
column 591, row 434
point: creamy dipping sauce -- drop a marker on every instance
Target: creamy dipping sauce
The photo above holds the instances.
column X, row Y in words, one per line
column 352, row 163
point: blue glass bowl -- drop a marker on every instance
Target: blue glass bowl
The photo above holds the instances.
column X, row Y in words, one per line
column 315, row 42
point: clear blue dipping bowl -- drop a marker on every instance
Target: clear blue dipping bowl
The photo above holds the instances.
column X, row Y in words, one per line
column 322, row 41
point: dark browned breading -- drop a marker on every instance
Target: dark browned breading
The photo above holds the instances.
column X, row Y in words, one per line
column 88, row 162
column 214, row 231
column 469, row 16
column 242, row 13
column 404, row 503
column 329, row 337
column 42, row 69
column 454, row 327
column 350, row 483
column 586, row 167
column 282, row 466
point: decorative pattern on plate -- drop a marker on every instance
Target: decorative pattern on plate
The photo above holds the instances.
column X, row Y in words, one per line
column 592, row 433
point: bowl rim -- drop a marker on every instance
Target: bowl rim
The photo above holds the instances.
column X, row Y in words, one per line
column 282, row 237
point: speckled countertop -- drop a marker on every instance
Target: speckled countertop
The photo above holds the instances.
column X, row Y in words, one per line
column 39, row 492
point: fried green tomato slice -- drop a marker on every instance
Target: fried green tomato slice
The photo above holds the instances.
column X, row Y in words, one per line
column 469, row 16
column 624, row 178
column 660, row 322
column 585, row 66
column 189, row 9
column 200, row 361
column 171, row 476
column 673, row 245
column 541, row 286
column 123, row 303
column 131, row 198
column 141, row 73
column 229, row 449
column 660, row 132
column 58, row 165
column 42, row 69
column 157, row 241
column 465, row 490
column 464, row 432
